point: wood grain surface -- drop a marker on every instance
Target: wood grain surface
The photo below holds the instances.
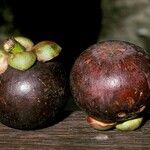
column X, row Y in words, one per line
column 73, row 133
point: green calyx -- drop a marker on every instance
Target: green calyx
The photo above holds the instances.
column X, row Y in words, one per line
column 130, row 125
column 46, row 50
column 26, row 42
column 22, row 61
column 22, row 54
column 12, row 46
column 18, row 57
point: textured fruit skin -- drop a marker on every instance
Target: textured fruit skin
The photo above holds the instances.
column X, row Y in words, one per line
column 110, row 81
column 30, row 99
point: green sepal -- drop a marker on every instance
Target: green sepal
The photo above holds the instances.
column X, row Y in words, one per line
column 12, row 46
column 22, row 61
column 130, row 125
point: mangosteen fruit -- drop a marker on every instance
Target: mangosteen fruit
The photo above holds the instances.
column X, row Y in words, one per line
column 110, row 81
column 32, row 92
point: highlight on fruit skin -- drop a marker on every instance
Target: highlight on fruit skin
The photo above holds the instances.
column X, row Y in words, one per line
column 110, row 81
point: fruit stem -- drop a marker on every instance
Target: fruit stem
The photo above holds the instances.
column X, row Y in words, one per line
column 12, row 46
column 130, row 125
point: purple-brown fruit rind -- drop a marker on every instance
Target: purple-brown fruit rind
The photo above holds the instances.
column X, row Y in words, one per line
column 30, row 99
column 111, row 81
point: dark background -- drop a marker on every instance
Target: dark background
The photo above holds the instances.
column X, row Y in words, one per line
column 73, row 24
column 76, row 24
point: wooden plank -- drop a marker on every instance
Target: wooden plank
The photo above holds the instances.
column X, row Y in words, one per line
column 73, row 133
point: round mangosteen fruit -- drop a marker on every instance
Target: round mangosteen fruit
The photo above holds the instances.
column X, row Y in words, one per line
column 31, row 94
column 110, row 81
